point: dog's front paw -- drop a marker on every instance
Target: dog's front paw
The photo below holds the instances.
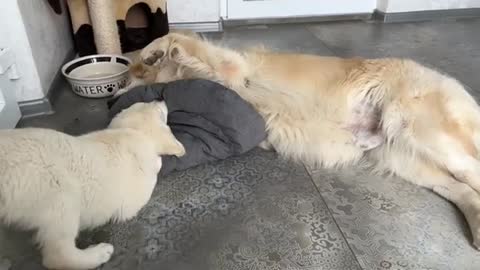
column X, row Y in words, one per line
column 151, row 57
column 155, row 51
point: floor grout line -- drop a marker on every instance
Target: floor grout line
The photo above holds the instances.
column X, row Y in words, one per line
column 333, row 217
column 332, row 51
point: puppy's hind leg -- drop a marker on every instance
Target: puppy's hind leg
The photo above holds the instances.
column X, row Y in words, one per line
column 57, row 230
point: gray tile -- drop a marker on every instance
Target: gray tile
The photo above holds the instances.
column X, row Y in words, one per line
column 291, row 38
column 73, row 114
column 451, row 46
column 392, row 224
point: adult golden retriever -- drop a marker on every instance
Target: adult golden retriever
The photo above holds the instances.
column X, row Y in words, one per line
column 404, row 118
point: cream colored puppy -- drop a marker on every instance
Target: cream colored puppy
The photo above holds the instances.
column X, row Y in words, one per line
column 58, row 184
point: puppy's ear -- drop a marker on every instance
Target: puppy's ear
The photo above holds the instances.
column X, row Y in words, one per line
column 170, row 146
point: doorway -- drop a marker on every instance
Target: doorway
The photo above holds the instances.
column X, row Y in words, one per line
column 9, row 110
column 261, row 9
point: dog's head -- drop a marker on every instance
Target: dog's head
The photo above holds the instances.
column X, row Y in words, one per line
column 151, row 120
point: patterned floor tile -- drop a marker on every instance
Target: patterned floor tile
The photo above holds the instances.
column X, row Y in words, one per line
column 392, row 224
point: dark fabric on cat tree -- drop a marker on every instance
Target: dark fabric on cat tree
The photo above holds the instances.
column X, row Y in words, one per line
column 133, row 39
column 56, row 6
column 90, row 38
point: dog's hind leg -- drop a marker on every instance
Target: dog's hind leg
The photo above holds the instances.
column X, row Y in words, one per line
column 433, row 149
column 461, row 194
column 58, row 227
column 429, row 175
column 452, row 145
column 431, row 126
column 460, row 163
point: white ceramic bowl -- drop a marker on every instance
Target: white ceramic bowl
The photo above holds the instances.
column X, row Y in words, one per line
column 97, row 76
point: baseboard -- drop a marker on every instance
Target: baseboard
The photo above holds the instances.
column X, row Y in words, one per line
column 425, row 15
column 44, row 106
column 35, row 107
column 298, row 19
column 198, row 27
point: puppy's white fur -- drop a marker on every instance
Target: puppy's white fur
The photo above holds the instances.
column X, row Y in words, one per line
column 58, row 184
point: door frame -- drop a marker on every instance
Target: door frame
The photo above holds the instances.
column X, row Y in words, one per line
column 9, row 110
column 264, row 9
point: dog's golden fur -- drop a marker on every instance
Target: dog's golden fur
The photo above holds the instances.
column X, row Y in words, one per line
column 402, row 117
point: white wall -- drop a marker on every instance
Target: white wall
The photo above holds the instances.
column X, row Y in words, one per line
column 14, row 36
column 40, row 40
column 382, row 5
column 418, row 5
column 190, row 11
column 50, row 38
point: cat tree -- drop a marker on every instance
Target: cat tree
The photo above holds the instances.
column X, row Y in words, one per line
column 116, row 26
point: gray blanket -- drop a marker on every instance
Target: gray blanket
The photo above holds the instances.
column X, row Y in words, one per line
column 211, row 121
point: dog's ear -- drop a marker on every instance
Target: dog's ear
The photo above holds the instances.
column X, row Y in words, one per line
column 170, row 146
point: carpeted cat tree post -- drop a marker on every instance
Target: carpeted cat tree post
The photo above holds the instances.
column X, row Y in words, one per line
column 116, row 26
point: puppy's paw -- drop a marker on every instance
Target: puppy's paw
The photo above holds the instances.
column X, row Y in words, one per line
column 100, row 253
column 266, row 145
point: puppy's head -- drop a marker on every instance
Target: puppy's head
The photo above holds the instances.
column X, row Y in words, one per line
column 151, row 120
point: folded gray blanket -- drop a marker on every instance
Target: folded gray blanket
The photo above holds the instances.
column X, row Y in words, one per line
column 211, row 121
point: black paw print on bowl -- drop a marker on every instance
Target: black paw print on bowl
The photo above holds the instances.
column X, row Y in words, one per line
column 109, row 87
